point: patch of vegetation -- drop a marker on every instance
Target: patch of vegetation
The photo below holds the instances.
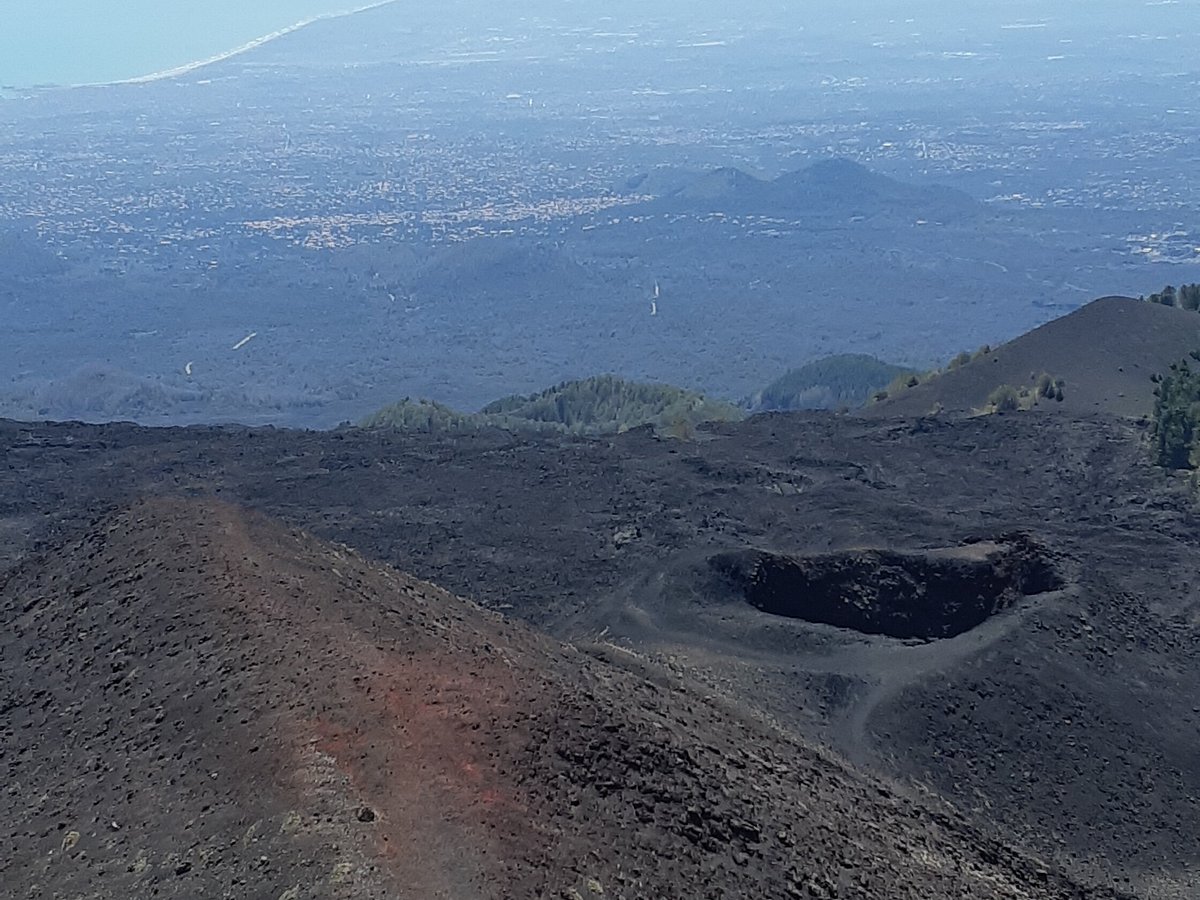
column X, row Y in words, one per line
column 601, row 405
column 846, row 380
column 959, row 361
column 1187, row 296
column 1047, row 387
column 1010, row 398
column 1005, row 398
column 903, row 382
column 1175, row 435
column 424, row 416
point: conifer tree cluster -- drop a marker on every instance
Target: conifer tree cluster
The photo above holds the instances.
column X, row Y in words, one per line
column 1176, row 434
column 1186, row 296
column 601, row 405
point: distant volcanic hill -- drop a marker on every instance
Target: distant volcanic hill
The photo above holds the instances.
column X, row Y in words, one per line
column 725, row 183
column 1104, row 353
column 829, row 187
column 840, row 181
column 199, row 703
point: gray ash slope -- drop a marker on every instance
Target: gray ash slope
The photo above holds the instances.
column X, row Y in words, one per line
column 200, row 703
column 1063, row 722
column 1106, row 353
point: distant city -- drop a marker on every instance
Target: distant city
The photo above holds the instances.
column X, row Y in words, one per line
column 399, row 133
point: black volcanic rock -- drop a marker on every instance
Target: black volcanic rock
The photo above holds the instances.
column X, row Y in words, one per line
column 1065, row 724
column 266, row 715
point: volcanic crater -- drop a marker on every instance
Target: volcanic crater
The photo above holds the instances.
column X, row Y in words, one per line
column 925, row 594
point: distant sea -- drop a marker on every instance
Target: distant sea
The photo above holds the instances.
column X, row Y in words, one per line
column 64, row 42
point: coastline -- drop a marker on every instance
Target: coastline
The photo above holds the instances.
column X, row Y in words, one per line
column 254, row 44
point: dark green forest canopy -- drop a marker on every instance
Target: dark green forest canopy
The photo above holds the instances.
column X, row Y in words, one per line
column 1176, row 433
column 604, row 404
column 846, row 380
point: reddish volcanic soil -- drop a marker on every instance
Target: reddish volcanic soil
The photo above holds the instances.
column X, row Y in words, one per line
column 200, row 703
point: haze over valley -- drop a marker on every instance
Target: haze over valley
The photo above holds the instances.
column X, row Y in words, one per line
column 458, row 206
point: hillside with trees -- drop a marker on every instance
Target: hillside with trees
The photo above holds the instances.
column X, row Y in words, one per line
column 603, row 404
column 1187, row 296
column 1097, row 359
column 1176, row 434
column 1175, row 437
column 847, row 380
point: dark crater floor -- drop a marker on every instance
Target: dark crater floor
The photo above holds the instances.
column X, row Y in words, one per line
column 925, row 594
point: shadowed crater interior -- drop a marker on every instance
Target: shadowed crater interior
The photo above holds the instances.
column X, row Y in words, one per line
column 919, row 594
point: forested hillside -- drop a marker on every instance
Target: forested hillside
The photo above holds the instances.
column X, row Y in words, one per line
column 846, row 380
column 604, row 404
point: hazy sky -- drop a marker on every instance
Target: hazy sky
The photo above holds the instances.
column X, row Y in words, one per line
column 78, row 41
